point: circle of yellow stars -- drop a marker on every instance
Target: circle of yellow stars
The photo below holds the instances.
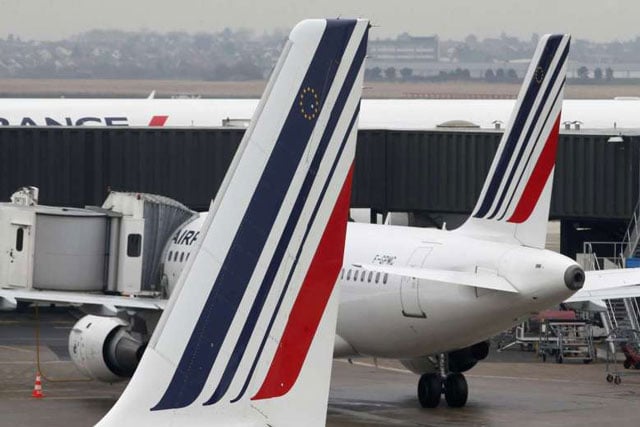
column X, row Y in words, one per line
column 539, row 75
column 309, row 103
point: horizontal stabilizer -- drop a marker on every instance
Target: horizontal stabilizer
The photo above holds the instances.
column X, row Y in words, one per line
column 83, row 299
column 445, row 277
column 609, row 284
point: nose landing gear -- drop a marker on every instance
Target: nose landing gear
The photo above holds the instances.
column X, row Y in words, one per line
column 453, row 385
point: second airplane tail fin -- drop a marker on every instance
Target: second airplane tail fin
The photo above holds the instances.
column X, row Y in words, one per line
column 247, row 337
column 515, row 200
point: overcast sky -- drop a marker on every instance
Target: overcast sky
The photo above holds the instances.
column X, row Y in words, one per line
column 603, row 20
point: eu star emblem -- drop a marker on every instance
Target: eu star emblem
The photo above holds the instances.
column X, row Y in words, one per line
column 539, row 75
column 309, row 103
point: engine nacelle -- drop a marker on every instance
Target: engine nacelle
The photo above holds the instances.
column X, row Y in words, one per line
column 102, row 348
column 466, row 358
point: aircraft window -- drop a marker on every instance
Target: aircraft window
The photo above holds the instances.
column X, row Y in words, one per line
column 349, row 274
column 377, row 277
column 385, row 277
column 187, row 257
column 134, row 245
column 342, row 273
column 364, row 273
column 170, row 255
column 370, row 276
column 181, row 256
column 355, row 275
column 19, row 239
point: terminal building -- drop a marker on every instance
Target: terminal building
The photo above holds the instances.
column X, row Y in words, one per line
column 432, row 176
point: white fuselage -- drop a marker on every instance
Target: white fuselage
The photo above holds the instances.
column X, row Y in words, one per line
column 374, row 114
column 390, row 316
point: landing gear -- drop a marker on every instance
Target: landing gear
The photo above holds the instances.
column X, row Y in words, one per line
column 456, row 391
column 452, row 384
column 432, row 386
column 429, row 390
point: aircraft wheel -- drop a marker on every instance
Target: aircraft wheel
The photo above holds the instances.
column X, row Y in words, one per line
column 429, row 390
column 626, row 363
column 456, row 390
column 617, row 380
column 609, row 378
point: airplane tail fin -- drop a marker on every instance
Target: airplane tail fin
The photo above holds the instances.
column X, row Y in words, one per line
column 515, row 200
column 247, row 337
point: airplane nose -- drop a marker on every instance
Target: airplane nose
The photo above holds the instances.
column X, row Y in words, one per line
column 574, row 277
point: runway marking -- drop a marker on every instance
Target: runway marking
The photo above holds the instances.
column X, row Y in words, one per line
column 370, row 418
column 505, row 377
column 82, row 397
column 371, row 365
column 24, row 350
column 27, row 362
column 491, row 377
column 29, row 390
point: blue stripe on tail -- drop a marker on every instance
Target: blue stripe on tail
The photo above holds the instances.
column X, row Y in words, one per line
column 292, row 223
column 516, row 130
column 236, row 271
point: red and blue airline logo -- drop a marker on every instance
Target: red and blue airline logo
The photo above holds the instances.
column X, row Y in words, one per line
column 155, row 121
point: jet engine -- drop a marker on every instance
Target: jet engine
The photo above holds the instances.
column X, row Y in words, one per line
column 104, row 349
column 466, row 358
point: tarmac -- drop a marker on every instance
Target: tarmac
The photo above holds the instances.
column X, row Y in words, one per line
column 510, row 388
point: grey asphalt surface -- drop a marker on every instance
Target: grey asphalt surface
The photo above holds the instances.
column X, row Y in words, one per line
column 512, row 388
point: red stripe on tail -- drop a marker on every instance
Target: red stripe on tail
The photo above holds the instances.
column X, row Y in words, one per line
column 158, row 121
column 538, row 178
column 310, row 303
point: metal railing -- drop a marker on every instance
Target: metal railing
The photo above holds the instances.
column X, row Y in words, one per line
column 600, row 252
column 632, row 235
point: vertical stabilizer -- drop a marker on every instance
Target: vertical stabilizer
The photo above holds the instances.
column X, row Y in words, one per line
column 514, row 203
column 247, row 337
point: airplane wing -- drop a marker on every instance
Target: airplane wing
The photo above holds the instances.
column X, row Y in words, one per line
column 609, row 284
column 110, row 301
column 445, row 277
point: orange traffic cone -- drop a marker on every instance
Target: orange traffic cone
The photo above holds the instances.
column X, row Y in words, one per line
column 37, row 387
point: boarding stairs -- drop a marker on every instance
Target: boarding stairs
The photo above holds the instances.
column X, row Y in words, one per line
column 632, row 235
column 621, row 313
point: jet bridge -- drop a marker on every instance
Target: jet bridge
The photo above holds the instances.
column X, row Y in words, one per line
column 116, row 248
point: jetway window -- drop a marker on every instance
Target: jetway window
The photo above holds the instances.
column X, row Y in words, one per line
column 19, row 239
column 134, row 245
